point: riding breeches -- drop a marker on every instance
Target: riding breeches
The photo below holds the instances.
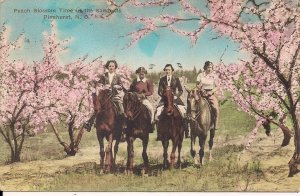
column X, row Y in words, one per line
column 181, row 108
column 149, row 106
column 118, row 100
column 215, row 106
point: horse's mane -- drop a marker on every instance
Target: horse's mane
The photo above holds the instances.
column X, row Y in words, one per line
column 133, row 97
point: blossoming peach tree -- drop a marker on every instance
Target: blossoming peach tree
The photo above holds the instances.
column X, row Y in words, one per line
column 266, row 83
column 47, row 92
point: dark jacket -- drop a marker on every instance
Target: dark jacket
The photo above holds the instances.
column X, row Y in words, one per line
column 175, row 86
column 116, row 80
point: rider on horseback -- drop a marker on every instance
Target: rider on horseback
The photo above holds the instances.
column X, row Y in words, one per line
column 113, row 81
column 171, row 81
column 207, row 86
column 144, row 88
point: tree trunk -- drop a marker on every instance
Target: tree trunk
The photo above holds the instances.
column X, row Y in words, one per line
column 294, row 163
column 71, row 135
column 15, row 156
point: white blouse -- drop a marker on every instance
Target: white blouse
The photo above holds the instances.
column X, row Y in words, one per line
column 206, row 80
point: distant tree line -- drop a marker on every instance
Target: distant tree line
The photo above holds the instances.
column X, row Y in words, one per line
column 191, row 75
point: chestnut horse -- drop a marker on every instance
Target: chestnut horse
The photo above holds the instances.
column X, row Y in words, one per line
column 138, row 126
column 202, row 122
column 171, row 127
column 108, row 126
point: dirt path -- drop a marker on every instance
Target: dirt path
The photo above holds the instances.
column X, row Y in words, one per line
column 273, row 162
column 265, row 150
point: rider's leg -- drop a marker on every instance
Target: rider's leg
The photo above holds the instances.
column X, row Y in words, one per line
column 182, row 111
column 159, row 110
column 122, row 119
column 88, row 125
column 215, row 106
column 149, row 106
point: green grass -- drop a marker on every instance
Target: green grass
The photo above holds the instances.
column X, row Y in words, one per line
column 222, row 174
column 45, row 145
column 188, row 178
column 233, row 122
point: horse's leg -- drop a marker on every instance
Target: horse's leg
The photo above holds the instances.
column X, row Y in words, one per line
column 102, row 153
column 172, row 156
column 130, row 155
column 116, row 148
column 202, row 140
column 145, row 155
column 179, row 156
column 165, row 144
column 108, row 152
column 193, row 152
column 211, row 142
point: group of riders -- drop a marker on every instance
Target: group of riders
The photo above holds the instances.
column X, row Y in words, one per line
column 145, row 88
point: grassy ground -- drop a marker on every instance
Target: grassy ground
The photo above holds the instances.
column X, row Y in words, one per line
column 45, row 146
column 44, row 166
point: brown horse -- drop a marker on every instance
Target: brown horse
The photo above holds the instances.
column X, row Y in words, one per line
column 171, row 127
column 138, row 126
column 108, row 126
column 201, row 122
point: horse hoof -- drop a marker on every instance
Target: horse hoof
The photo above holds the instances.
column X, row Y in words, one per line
column 101, row 172
column 196, row 162
column 144, row 173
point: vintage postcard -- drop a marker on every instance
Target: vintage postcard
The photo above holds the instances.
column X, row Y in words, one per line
column 150, row 95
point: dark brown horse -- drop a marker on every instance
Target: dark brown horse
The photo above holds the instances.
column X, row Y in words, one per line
column 138, row 126
column 170, row 127
column 107, row 126
column 202, row 122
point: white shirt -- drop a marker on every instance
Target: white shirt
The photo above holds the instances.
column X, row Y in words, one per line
column 206, row 80
column 143, row 80
column 169, row 78
column 110, row 77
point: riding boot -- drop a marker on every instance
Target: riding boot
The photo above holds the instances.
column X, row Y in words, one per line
column 124, row 127
column 88, row 125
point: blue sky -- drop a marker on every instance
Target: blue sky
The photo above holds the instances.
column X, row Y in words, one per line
column 102, row 38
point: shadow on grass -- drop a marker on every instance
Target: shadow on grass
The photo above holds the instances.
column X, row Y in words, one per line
column 155, row 169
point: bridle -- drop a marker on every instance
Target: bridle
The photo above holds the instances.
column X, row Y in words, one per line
column 135, row 112
column 104, row 102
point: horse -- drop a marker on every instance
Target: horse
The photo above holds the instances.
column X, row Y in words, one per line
column 171, row 127
column 202, row 121
column 138, row 126
column 108, row 126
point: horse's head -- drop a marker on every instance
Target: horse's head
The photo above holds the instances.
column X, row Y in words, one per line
column 100, row 99
column 168, row 98
column 131, row 103
column 96, row 102
column 195, row 100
